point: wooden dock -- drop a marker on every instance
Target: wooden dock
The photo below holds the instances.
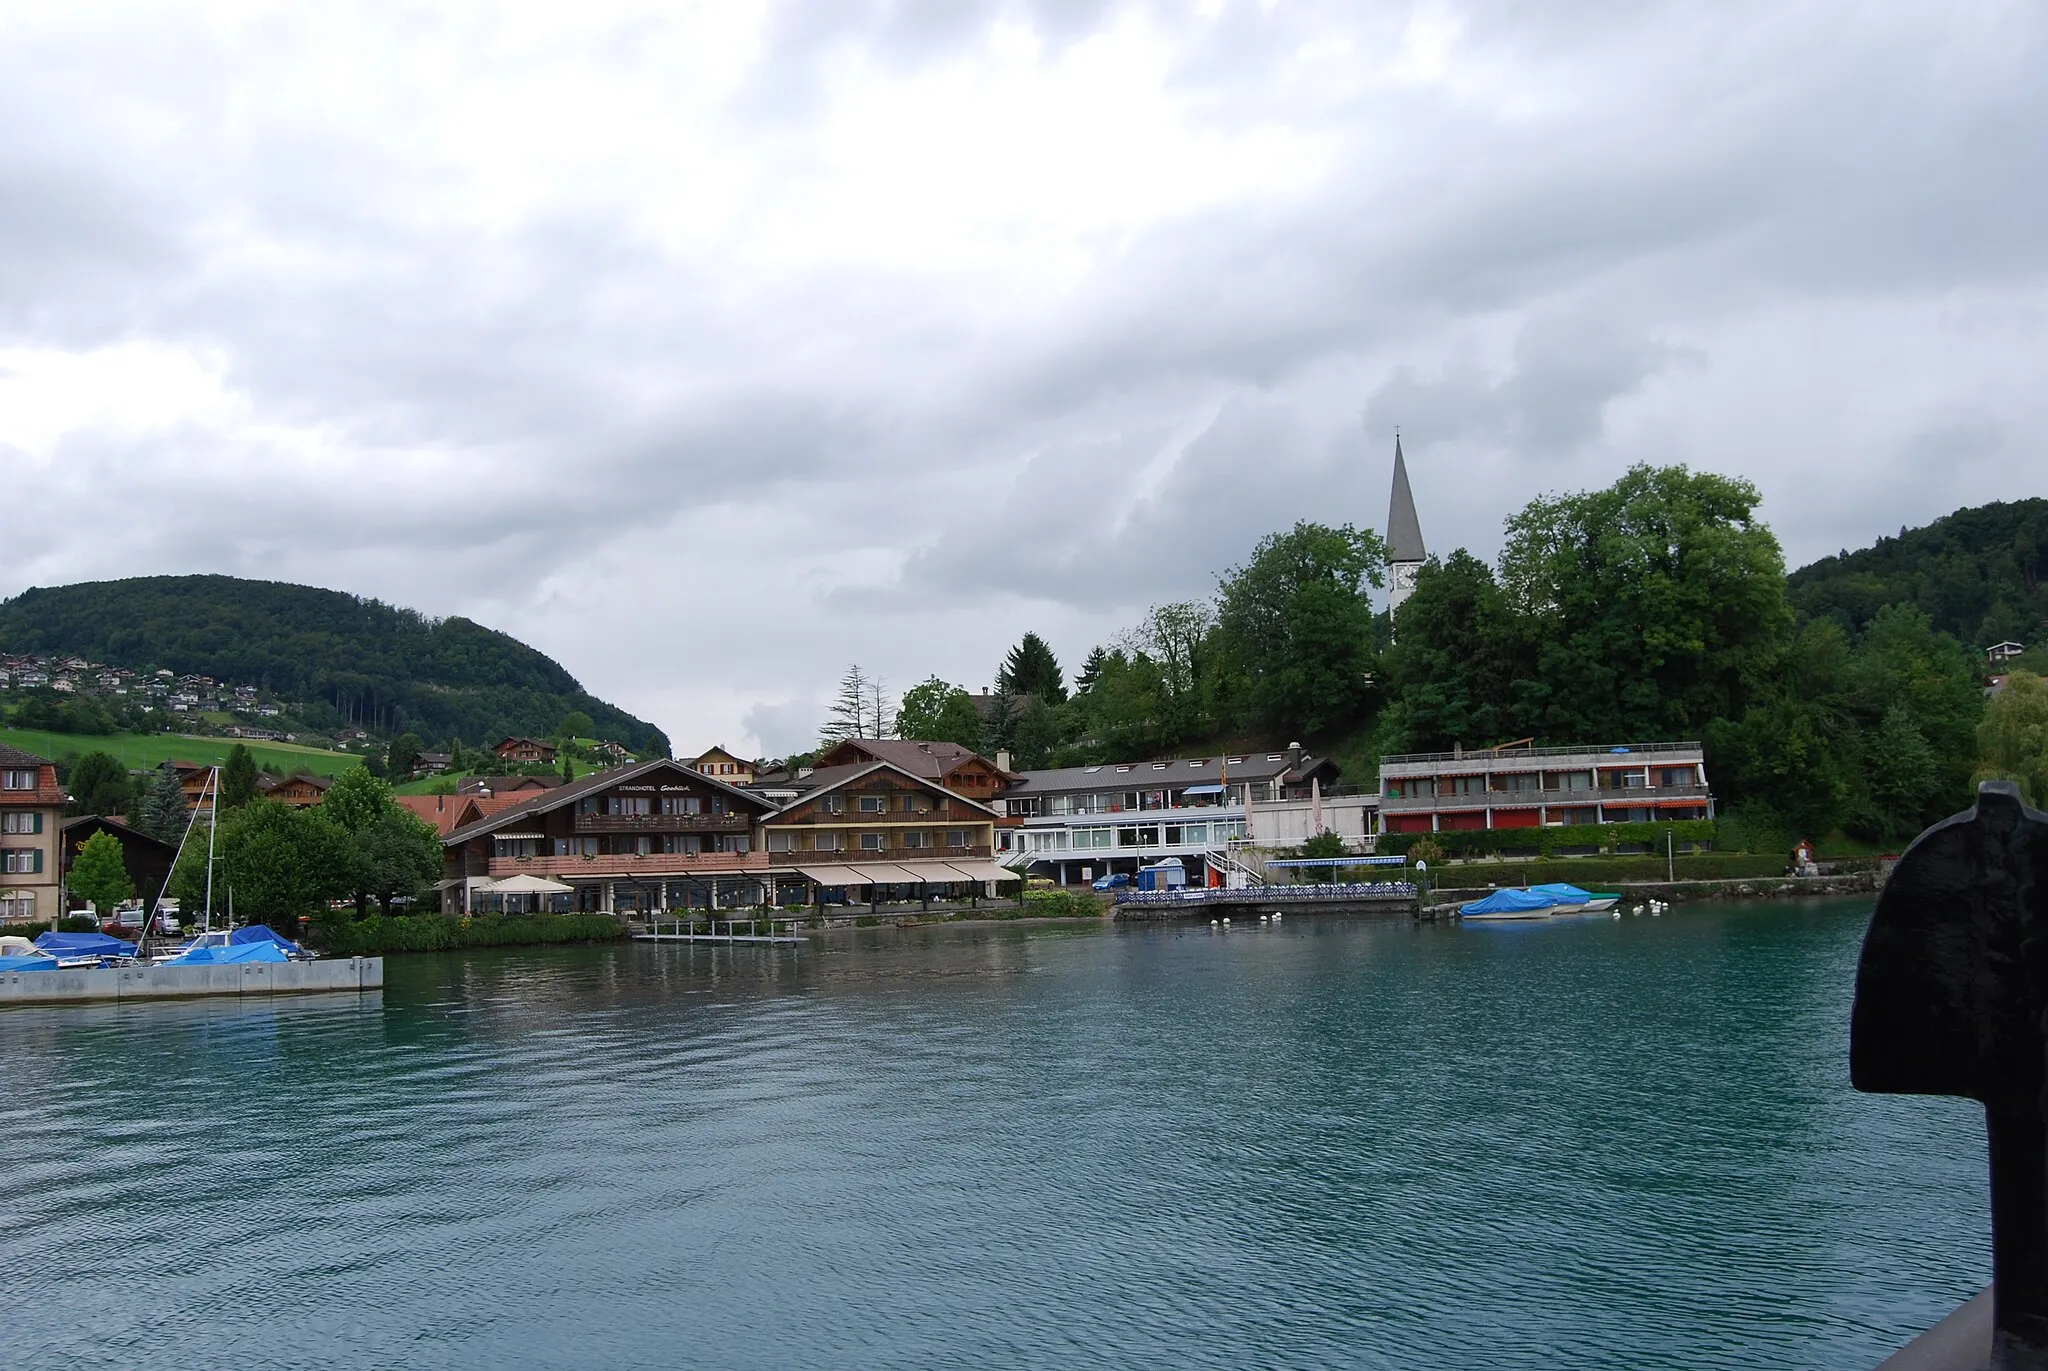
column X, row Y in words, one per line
column 680, row 932
column 1377, row 897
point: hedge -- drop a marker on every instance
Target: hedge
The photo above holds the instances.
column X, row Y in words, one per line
column 1052, row 904
column 346, row 937
column 1545, row 841
column 1590, row 872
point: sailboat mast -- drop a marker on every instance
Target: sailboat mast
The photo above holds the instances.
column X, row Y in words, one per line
column 212, row 826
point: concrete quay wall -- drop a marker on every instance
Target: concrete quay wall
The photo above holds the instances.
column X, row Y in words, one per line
column 183, row 982
column 1677, row 892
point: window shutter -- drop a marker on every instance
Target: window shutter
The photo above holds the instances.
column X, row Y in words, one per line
column 37, row 829
column 38, row 867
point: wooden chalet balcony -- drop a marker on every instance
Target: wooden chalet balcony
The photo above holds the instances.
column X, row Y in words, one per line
column 894, row 854
column 634, row 864
column 663, row 823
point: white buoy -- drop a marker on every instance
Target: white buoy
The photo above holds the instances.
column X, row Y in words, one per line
column 1614, row 914
column 1635, row 909
column 1212, row 923
column 1226, row 918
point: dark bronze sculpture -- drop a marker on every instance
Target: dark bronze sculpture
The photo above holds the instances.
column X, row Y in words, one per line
column 1952, row 999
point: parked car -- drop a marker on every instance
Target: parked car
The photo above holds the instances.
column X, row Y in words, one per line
column 1115, row 880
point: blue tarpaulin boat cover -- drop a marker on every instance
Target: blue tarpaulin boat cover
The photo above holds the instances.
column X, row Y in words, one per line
column 262, row 933
column 1508, row 901
column 83, row 945
column 261, row 951
column 1562, row 893
column 28, row 963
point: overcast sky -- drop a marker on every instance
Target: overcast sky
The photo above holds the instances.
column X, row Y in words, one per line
column 711, row 347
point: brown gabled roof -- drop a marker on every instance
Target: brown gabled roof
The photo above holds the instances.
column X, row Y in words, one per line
column 916, row 756
column 317, row 781
column 509, row 783
column 122, row 830
column 547, row 800
column 832, row 777
column 14, row 756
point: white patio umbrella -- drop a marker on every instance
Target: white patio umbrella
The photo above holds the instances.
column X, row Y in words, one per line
column 526, row 885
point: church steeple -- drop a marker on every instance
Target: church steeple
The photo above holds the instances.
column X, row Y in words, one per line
column 1405, row 552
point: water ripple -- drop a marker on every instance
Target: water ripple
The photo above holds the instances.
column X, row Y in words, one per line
column 1609, row 1144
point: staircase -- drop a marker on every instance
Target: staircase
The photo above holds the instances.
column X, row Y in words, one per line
column 1237, row 873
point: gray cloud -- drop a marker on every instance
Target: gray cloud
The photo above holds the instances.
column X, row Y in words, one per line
column 709, row 355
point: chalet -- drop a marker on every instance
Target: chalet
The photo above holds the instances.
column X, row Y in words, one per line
column 959, row 769
column 434, row 763
column 31, row 815
column 655, row 835
column 147, row 859
column 302, row 791
column 879, row 829
column 194, row 780
column 726, row 767
column 525, row 750
column 2001, row 653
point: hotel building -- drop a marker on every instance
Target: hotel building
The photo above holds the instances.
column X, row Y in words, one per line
column 1530, row 787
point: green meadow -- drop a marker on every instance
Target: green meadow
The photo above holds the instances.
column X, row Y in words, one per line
column 138, row 750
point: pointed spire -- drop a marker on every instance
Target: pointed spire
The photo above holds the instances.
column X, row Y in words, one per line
column 1404, row 530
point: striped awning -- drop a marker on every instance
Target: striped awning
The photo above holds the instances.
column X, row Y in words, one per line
column 984, row 871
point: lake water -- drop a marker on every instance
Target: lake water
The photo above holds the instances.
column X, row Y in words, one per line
column 1318, row 1144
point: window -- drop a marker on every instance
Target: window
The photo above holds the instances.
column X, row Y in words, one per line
column 829, row 841
column 30, row 822
column 832, row 804
column 682, row 842
column 18, row 909
column 871, row 842
column 1089, row 839
column 21, row 861
column 17, row 780
column 635, row 806
column 681, row 804
column 782, row 842
column 873, row 804
column 957, row 837
column 1194, row 833
column 917, row 838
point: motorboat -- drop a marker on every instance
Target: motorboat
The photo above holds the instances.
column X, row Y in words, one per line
column 1573, row 900
column 1509, row 905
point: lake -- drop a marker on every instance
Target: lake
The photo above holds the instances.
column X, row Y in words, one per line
column 1593, row 1143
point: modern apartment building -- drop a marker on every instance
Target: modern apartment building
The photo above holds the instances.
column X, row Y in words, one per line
column 31, row 831
column 1529, row 787
column 1076, row 824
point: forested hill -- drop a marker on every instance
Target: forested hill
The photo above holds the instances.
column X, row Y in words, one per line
column 1980, row 574
column 382, row 667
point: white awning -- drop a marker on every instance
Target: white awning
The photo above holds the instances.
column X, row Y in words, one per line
column 892, row 873
column 985, row 871
column 825, row 873
column 519, row 835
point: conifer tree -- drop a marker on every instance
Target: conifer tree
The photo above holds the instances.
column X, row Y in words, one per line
column 238, row 778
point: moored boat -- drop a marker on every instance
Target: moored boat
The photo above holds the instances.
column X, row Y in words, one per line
column 1509, row 905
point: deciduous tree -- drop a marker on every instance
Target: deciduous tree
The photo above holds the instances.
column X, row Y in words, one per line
column 98, row 874
column 1296, row 621
column 936, row 711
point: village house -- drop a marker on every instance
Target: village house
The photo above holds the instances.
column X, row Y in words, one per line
column 302, row 791
column 31, row 816
column 507, row 785
column 525, row 750
column 725, row 766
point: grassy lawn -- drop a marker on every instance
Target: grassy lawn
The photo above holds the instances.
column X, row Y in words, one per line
column 137, row 750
